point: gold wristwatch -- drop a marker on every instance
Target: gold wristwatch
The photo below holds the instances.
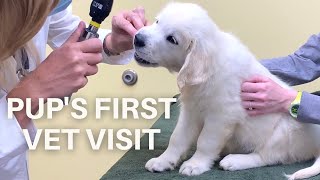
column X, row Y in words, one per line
column 294, row 107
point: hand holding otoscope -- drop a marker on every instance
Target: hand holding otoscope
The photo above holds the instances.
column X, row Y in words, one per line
column 99, row 11
column 124, row 26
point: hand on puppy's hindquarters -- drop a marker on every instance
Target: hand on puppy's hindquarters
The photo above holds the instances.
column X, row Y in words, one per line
column 261, row 95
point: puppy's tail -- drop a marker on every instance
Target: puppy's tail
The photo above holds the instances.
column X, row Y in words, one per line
column 307, row 172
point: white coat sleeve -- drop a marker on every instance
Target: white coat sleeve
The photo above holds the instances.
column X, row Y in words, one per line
column 12, row 140
column 63, row 24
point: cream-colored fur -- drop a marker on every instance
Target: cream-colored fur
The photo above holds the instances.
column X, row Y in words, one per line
column 211, row 66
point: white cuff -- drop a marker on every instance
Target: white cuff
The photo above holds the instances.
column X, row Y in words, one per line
column 122, row 59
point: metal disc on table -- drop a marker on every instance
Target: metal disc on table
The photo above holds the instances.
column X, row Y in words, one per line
column 130, row 77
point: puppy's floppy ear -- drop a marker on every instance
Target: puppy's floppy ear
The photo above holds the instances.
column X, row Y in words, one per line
column 196, row 68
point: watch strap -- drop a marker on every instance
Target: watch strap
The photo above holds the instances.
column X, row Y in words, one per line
column 294, row 107
column 298, row 98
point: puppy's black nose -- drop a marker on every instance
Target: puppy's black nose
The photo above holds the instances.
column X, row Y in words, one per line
column 139, row 41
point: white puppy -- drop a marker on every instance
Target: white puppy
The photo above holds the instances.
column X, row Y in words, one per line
column 212, row 65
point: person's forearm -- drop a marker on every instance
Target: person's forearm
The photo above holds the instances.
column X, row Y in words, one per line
column 108, row 45
column 28, row 88
column 309, row 110
column 292, row 69
column 301, row 67
column 21, row 116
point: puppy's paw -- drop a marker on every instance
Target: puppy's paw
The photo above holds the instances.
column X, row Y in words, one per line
column 290, row 177
column 232, row 162
column 193, row 168
column 302, row 174
column 159, row 165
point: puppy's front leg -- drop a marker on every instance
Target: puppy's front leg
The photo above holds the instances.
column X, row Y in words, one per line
column 185, row 133
column 211, row 141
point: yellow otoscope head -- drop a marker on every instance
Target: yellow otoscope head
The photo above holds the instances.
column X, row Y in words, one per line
column 95, row 24
column 99, row 10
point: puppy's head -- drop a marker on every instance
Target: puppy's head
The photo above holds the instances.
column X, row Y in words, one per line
column 181, row 40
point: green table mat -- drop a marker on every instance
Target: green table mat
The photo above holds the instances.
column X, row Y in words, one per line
column 131, row 165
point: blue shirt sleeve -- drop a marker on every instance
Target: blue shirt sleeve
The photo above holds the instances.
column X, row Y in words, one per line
column 301, row 67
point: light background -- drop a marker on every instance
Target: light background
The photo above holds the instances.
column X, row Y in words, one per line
column 270, row 28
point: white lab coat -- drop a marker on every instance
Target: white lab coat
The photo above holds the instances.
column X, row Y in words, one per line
column 13, row 147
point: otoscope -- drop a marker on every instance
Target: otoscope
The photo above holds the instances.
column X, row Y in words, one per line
column 99, row 11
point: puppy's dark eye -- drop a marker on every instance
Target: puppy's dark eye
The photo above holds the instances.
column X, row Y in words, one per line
column 172, row 40
column 157, row 22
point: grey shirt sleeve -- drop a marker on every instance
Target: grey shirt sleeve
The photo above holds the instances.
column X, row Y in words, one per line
column 301, row 67
column 309, row 110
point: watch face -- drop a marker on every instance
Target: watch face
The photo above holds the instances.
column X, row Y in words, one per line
column 294, row 110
